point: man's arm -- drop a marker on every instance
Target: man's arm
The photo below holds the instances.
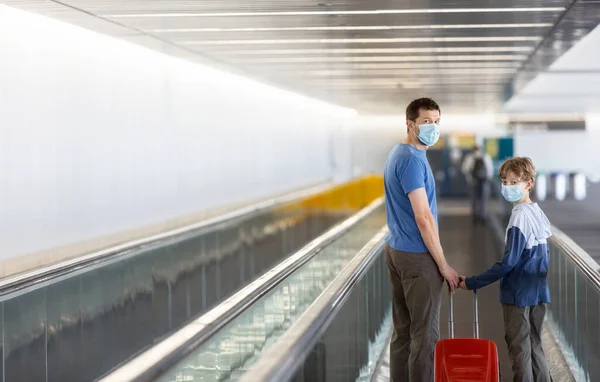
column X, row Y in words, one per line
column 429, row 232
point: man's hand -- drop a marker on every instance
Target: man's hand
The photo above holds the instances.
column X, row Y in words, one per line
column 451, row 277
column 462, row 284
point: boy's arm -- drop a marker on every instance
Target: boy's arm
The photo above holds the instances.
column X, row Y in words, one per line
column 515, row 245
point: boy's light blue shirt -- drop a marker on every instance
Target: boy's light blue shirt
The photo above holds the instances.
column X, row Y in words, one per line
column 524, row 266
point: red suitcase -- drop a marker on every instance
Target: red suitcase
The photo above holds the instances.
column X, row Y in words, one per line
column 466, row 359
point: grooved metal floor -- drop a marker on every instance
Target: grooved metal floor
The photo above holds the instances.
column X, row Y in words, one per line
column 471, row 249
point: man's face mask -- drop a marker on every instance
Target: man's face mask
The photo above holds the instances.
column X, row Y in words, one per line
column 429, row 133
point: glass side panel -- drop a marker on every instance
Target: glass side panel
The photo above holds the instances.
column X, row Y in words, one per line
column 238, row 345
column 352, row 344
column 82, row 326
column 574, row 313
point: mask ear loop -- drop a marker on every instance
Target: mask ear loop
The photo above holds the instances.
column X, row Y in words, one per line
column 414, row 129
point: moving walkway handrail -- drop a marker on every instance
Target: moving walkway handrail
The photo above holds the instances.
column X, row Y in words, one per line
column 284, row 358
column 163, row 356
column 41, row 275
column 580, row 258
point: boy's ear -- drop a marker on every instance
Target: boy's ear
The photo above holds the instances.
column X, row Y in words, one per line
column 529, row 185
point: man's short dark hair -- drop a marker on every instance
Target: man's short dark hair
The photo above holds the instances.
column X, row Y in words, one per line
column 412, row 110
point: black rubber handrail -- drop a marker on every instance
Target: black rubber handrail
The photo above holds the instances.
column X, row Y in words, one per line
column 44, row 275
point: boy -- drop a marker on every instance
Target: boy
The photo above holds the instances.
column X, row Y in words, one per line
column 523, row 268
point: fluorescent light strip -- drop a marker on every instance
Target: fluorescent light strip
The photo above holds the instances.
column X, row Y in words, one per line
column 404, row 65
column 356, row 28
column 363, row 87
column 532, row 117
column 362, row 40
column 276, row 52
column 423, row 81
column 383, row 94
column 381, row 89
column 398, row 72
column 464, row 86
column 287, row 60
column 327, row 13
column 457, row 86
column 438, row 81
column 459, row 91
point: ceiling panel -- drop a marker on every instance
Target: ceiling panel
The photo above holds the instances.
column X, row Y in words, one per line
column 369, row 55
column 563, row 73
column 582, row 17
column 162, row 22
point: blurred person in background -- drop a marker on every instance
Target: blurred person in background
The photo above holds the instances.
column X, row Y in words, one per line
column 478, row 170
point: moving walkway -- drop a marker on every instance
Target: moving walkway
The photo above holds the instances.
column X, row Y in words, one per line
column 77, row 320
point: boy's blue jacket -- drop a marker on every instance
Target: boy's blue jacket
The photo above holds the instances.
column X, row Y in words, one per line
column 524, row 266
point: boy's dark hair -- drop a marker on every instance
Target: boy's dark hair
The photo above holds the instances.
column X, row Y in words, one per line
column 412, row 110
column 522, row 167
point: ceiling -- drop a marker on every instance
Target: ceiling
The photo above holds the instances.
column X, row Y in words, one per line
column 571, row 84
column 370, row 55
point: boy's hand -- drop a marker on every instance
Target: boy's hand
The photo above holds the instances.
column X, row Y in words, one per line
column 451, row 277
column 462, row 284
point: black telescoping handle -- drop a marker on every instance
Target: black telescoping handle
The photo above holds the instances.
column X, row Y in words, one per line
column 475, row 315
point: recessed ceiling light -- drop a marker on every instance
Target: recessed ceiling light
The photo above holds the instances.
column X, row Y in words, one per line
column 403, row 65
column 387, row 80
column 475, row 85
column 355, row 28
column 332, row 13
column 398, row 72
column 467, row 49
column 362, row 40
column 284, row 60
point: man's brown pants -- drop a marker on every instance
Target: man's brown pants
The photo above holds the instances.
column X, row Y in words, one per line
column 416, row 289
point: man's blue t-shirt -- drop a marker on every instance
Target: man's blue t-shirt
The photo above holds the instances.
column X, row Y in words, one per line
column 406, row 170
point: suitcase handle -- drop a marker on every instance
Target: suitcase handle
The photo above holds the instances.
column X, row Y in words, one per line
column 475, row 316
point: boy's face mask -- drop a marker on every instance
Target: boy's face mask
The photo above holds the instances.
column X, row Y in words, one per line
column 513, row 193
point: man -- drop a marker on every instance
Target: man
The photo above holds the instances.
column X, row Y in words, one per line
column 415, row 260
column 478, row 170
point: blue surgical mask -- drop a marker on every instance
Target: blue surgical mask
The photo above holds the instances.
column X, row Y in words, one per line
column 429, row 133
column 513, row 193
